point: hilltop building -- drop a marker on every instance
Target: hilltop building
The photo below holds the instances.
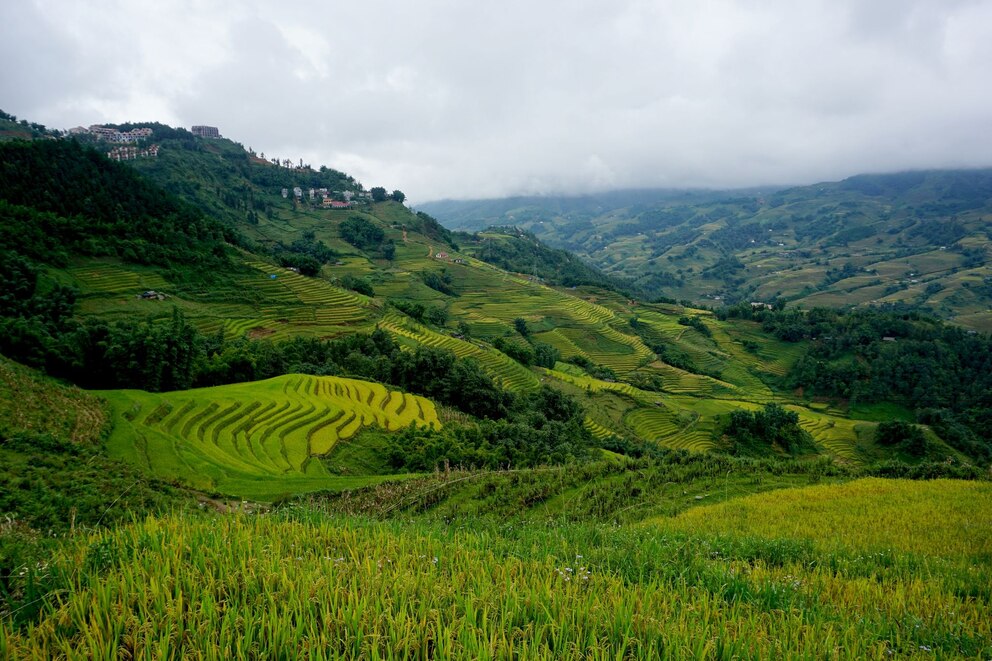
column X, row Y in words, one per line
column 205, row 131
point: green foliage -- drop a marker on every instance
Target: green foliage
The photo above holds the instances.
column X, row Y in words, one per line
column 542, row 429
column 520, row 324
column 306, row 254
column 521, row 353
column 357, row 284
column 592, row 369
column 546, row 355
column 362, row 233
column 378, row 194
column 761, row 430
column 874, row 356
column 428, row 314
column 51, row 485
column 58, row 196
column 397, row 196
column 431, row 228
column 696, row 323
column 906, row 437
column 440, row 282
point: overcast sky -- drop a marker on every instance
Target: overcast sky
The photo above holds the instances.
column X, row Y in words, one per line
column 479, row 99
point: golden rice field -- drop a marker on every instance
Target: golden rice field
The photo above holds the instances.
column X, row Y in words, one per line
column 940, row 518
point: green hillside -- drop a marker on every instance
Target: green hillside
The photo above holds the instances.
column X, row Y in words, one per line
column 263, row 283
column 917, row 239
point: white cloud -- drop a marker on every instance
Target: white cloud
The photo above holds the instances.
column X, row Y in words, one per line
column 469, row 99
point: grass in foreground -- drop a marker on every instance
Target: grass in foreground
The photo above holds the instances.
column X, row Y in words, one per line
column 310, row 585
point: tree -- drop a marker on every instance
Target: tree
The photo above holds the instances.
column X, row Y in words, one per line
column 398, row 196
column 521, row 325
column 546, row 355
column 378, row 194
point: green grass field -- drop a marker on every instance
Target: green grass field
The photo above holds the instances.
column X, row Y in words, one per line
column 258, row 439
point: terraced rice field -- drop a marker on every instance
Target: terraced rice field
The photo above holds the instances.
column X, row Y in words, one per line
column 662, row 426
column 606, row 346
column 108, row 278
column 277, row 428
column 511, row 374
column 333, row 305
column 686, row 383
column 596, row 385
column 772, row 357
column 598, row 431
column 838, row 436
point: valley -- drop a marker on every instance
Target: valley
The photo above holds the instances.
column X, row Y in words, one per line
column 236, row 420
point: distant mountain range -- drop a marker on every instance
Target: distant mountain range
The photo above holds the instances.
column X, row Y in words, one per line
column 911, row 239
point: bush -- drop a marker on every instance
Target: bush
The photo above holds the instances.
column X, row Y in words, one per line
column 902, row 435
column 764, row 429
column 360, row 285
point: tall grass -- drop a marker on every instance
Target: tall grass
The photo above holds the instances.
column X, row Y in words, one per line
column 305, row 584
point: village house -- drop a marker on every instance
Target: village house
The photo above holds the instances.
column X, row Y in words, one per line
column 114, row 135
column 132, row 153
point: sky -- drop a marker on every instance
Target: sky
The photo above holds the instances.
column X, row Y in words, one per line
column 474, row 99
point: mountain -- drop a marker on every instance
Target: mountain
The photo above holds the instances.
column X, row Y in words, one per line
column 917, row 240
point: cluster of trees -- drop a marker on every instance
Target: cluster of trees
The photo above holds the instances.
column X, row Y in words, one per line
column 532, row 353
column 366, row 235
column 425, row 314
column 379, row 194
column 697, row 323
column 758, row 431
column 307, row 254
column 59, row 198
column 439, row 282
column 358, row 284
column 902, row 435
column 431, row 228
column 545, row 428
